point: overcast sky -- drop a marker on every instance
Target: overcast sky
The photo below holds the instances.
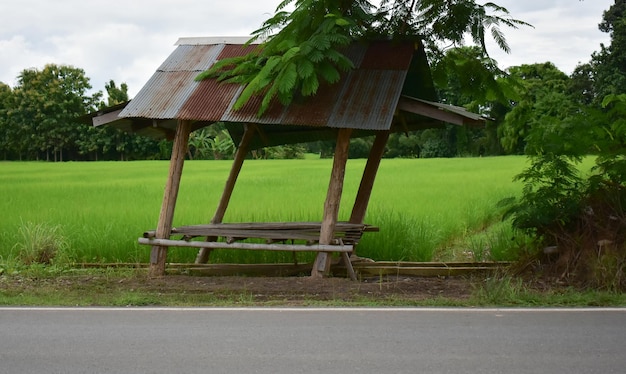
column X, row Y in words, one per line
column 127, row 40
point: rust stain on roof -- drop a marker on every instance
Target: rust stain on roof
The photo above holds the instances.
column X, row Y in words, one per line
column 390, row 88
column 365, row 98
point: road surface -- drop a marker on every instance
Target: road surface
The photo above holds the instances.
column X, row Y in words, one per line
column 204, row 340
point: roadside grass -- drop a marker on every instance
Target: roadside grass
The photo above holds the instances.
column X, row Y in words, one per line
column 505, row 290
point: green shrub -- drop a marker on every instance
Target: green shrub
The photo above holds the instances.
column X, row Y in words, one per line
column 581, row 217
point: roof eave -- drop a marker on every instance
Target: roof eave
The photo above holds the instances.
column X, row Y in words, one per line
column 442, row 112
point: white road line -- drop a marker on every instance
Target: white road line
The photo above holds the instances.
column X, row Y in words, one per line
column 312, row 309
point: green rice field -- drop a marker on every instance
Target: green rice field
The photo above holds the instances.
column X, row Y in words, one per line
column 427, row 209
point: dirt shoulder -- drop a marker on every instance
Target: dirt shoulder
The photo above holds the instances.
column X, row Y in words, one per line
column 102, row 288
column 134, row 288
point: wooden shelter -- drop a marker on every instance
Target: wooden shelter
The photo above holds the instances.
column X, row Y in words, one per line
column 390, row 90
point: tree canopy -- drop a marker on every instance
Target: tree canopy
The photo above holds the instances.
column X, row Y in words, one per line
column 39, row 119
column 302, row 48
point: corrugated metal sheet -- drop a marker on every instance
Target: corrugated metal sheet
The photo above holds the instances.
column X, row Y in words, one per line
column 191, row 58
column 368, row 100
column 365, row 99
column 163, row 96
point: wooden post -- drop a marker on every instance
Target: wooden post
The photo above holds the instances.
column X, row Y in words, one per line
column 158, row 254
column 369, row 175
column 333, row 199
column 240, row 156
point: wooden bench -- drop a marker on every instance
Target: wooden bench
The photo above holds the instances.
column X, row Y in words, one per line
column 302, row 237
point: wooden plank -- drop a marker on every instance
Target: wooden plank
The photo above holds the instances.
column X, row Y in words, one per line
column 264, row 270
column 273, row 229
column 422, row 271
column 418, row 107
column 240, row 156
column 279, row 225
column 419, row 269
column 402, row 264
column 333, row 199
column 250, row 246
column 105, row 118
column 348, row 264
column 158, row 254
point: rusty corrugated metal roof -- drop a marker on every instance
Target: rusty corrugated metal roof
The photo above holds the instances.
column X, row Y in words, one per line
column 386, row 79
column 364, row 99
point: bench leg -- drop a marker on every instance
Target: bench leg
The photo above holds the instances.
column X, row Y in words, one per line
column 349, row 268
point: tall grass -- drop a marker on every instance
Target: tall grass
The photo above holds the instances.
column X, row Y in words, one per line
column 421, row 206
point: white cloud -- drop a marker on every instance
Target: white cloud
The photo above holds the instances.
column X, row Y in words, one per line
column 565, row 32
column 127, row 40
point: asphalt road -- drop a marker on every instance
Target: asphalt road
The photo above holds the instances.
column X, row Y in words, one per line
column 312, row 341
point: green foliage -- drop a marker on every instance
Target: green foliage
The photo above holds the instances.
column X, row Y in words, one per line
column 404, row 145
column 306, row 51
column 6, row 95
column 39, row 120
column 611, row 163
column 609, row 64
column 360, row 147
column 303, row 54
column 447, row 22
column 584, row 217
column 551, row 196
column 44, row 109
column 542, row 100
column 211, row 143
column 435, row 143
column 467, row 77
column 286, row 152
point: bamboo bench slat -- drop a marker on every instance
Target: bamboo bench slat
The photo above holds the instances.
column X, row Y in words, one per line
column 252, row 246
column 346, row 235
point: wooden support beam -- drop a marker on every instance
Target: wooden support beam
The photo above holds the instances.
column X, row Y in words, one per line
column 158, row 254
column 321, row 266
column 240, row 156
column 369, row 175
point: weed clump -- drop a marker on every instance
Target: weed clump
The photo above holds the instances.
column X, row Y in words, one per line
column 42, row 244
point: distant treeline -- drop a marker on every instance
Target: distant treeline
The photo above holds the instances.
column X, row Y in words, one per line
column 39, row 116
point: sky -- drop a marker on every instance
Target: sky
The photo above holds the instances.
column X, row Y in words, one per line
column 126, row 41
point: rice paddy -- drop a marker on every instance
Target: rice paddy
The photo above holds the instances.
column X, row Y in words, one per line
column 427, row 209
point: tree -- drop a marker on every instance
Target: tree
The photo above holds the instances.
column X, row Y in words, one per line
column 609, row 63
column 582, row 85
column 542, row 99
column 302, row 48
column 116, row 95
column 6, row 95
column 46, row 105
column 107, row 142
column 467, row 77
